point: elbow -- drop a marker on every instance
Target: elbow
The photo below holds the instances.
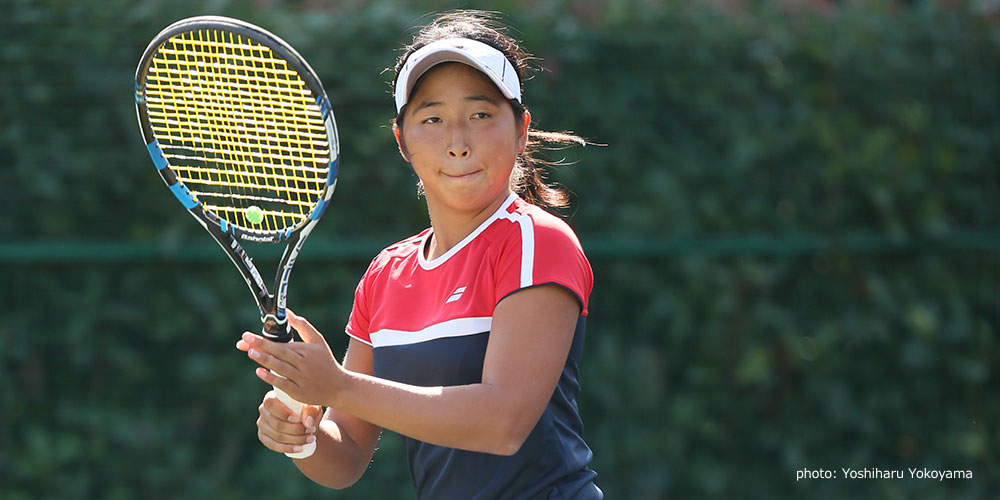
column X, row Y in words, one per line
column 334, row 478
column 338, row 483
column 510, row 437
column 340, row 486
column 508, row 448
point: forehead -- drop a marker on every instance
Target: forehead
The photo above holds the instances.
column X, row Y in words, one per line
column 454, row 78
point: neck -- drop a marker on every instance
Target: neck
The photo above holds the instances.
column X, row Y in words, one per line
column 451, row 227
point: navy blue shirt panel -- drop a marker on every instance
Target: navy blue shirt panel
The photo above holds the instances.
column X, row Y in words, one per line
column 552, row 462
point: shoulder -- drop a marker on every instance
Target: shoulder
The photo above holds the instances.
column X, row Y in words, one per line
column 398, row 252
column 548, row 233
column 538, row 248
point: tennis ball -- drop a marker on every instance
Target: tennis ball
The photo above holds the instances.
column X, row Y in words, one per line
column 254, row 214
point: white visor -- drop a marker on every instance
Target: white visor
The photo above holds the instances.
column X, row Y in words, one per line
column 476, row 54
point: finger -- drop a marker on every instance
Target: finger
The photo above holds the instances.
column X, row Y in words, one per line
column 272, row 362
column 311, row 416
column 309, row 333
column 243, row 343
column 280, row 447
column 278, row 381
column 277, row 410
column 250, row 338
column 280, row 350
column 283, row 431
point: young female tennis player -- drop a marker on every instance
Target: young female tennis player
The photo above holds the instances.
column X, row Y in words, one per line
column 465, row 338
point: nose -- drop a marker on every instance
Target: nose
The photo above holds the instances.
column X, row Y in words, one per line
column 458, row 153
column 458, row 145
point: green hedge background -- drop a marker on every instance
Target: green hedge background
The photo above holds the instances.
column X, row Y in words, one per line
column 793, row 227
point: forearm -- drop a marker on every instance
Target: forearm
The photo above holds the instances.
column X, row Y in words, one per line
column 339, row 461
column 476, row 417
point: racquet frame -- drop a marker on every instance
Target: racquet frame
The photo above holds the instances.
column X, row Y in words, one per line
column 272, row 305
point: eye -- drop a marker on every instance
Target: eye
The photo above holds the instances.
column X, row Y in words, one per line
column 431, row 119
column 482, row 115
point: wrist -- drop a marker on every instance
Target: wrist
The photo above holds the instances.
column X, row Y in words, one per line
column 342, row 382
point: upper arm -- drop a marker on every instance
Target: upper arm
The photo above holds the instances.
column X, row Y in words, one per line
column 364, row 434
column 529, row 342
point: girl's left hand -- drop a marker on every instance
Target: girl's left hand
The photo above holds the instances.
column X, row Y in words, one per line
column 311, row 372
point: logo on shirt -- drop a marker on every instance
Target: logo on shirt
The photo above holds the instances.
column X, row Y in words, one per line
column 457, row 294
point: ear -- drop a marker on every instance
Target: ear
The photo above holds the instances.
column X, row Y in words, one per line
column 399, row 141
column 522, row 132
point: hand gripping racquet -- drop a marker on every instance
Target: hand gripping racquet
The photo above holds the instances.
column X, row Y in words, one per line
column 241, row 131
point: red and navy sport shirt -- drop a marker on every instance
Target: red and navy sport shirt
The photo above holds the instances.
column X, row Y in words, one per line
column 428, row 323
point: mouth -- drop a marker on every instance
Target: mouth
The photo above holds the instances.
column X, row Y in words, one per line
column 463, row 175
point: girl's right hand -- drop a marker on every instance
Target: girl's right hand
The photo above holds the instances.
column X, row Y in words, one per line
column 281, row 430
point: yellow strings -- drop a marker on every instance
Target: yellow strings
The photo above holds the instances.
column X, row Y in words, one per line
column 239, row 127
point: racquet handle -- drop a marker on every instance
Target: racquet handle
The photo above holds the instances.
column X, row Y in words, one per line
column 308, row 448
column 283, row 332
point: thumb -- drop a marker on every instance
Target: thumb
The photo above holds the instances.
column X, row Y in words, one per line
column 311, row 415
column 308, row 333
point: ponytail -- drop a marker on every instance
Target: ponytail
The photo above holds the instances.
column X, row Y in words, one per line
column 528, row 178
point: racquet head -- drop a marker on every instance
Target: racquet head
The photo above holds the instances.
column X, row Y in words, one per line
column 239, row 127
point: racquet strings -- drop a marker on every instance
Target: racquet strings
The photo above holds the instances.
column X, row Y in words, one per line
column 239, row 128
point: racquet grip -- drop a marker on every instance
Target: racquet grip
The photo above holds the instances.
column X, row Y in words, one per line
column 308, row 448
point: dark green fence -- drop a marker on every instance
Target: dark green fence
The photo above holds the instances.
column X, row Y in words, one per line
column 793, row 227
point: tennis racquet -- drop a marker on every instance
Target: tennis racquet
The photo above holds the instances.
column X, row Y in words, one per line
column 241, row 131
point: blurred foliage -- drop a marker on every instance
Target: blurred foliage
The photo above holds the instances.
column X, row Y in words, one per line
column 863, row 138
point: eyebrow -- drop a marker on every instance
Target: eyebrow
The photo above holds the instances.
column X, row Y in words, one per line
column 471, row 98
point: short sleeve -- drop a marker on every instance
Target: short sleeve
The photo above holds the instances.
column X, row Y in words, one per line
column 543, row 251
column 359, row 322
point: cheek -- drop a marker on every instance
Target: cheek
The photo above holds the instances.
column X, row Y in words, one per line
column 418, row 141
column 502, row 141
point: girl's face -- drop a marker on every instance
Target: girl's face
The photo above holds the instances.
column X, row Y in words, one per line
column 460, row 135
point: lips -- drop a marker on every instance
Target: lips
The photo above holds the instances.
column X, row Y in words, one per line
column 461, row 175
